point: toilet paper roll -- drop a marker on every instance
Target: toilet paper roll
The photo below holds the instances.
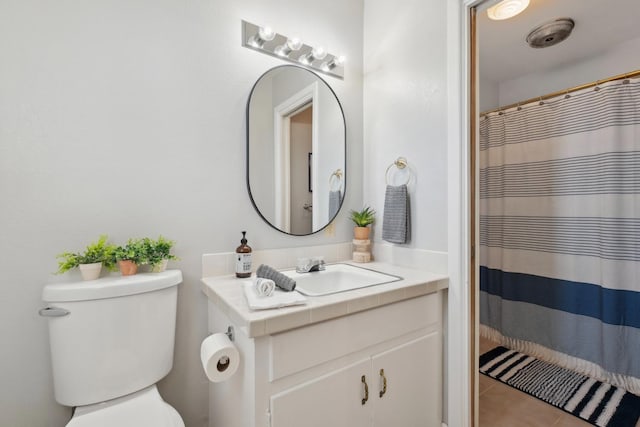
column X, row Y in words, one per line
column 220, row 357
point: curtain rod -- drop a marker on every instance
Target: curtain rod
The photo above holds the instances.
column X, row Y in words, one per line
column 563, row 92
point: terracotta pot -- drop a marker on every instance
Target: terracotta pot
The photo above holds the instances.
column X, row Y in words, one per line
column 159, row 268
column 127, row 267
column 90, row 271
column 361, row 233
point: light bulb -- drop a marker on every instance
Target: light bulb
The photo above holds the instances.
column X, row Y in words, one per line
column 507, row 9
column 266, row 33
column 294, row 43
column 319, row 52
column 337, row 61
column 291, row 45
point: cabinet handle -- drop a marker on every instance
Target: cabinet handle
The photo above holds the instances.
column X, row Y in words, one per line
column 384, row 383
column 366, row 390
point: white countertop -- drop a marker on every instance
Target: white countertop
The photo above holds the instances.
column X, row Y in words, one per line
column 227, row 294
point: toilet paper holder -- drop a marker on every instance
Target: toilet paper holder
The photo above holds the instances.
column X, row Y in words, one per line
column 230, row 333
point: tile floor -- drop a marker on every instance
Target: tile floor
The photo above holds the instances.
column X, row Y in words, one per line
column 504, row 406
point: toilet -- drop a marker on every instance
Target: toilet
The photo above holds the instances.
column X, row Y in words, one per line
column 111, row 341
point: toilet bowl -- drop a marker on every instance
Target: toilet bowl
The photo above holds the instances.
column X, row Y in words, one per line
column 144, row 408
column 112, row 340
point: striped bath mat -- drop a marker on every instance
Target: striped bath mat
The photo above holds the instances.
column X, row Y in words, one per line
column 598, row 403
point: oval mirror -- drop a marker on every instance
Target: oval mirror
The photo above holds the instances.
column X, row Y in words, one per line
column 296, row 150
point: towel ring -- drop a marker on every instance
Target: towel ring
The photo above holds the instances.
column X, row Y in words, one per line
column 336, row 177
column 400, row 164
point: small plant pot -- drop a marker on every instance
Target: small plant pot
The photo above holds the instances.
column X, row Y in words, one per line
column 90, row 271
column 361, row 233
column 127, row 267
column 160, row 267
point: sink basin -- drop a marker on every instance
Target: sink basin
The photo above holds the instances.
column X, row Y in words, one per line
column 338, row 278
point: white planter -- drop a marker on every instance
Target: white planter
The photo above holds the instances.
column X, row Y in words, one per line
column 158, row 268
column 90, row 271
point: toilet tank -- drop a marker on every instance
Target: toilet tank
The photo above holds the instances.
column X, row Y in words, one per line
column 117, row 337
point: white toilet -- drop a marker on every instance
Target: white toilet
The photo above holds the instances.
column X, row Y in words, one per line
column 111, row 340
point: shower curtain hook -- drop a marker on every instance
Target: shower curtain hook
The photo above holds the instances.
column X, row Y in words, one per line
column 519, row 107
column 566, row 95
column 541, row 102
column 597, row 88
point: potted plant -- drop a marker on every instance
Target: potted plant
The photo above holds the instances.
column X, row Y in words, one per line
column 362, row 219
column 158, row 253
column 90, row 262
column 130, row 256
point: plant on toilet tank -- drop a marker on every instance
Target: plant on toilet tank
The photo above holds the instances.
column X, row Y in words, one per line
column 96, row 254
column 136, row 252
column 158, row 253
column 130, row 256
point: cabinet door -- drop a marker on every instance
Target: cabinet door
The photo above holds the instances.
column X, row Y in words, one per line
column 413, row 376
column 333, row 400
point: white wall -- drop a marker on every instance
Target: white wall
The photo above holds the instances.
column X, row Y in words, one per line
column 127, row 118
column 405, row 88
column 618, row 59
column 489, row 96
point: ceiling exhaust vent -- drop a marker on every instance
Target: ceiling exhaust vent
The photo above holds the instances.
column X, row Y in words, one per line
column 550, row 33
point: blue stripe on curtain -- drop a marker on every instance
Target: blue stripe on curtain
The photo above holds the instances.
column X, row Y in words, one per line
column 612, row 306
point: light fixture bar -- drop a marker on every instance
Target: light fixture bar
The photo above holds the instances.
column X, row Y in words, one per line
column 265, row 40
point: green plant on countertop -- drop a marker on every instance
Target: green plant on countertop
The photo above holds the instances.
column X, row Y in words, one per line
column 98, row 251
column 364, row 217
column 158, row 250
column 135, row 250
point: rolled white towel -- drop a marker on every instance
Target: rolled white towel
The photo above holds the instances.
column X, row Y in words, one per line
column 264, row 287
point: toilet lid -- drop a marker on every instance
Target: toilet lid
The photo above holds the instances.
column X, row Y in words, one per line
column 141, row 409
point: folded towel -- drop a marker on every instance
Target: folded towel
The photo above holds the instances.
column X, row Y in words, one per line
column 277, row 300
column 282, row 281
column 264, row 287
column 335, row 198
column 395, row 221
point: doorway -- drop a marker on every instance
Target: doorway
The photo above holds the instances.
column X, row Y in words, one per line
column 301, row 171
column 510, row 76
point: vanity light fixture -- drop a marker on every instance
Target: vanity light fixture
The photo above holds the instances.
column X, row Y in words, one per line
column 507, row 9
column 265, row 40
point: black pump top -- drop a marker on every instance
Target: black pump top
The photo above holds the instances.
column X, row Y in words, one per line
column 244, row 238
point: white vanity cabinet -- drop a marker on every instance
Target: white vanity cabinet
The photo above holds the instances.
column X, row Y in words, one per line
column 398, row 387
column 318, row 374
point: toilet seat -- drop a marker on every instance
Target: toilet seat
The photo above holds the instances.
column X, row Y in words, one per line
column 144, row 408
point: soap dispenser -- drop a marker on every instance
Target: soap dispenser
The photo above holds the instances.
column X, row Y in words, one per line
column 243, row 258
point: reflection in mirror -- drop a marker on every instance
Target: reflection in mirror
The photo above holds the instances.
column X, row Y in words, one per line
column 296, row 147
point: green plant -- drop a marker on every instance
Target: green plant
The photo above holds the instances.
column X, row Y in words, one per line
column 158, row 250
column 135, row 250
column 363, row 217
column 98, row 251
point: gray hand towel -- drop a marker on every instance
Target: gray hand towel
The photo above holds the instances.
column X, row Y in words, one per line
column 335, row 197
column 282, row 281
column 396, row 221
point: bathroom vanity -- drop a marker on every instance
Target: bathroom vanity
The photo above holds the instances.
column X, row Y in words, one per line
column 366, row 357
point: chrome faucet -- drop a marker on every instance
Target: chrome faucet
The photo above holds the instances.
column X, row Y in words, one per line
column 307, row 265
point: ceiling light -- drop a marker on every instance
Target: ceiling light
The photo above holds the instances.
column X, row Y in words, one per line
column 507, row 9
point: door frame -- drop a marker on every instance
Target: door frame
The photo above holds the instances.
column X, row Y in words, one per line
column 462, row 316
column 282, row 149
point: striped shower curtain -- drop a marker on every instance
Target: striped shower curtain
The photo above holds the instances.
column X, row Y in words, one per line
column 560, row 230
